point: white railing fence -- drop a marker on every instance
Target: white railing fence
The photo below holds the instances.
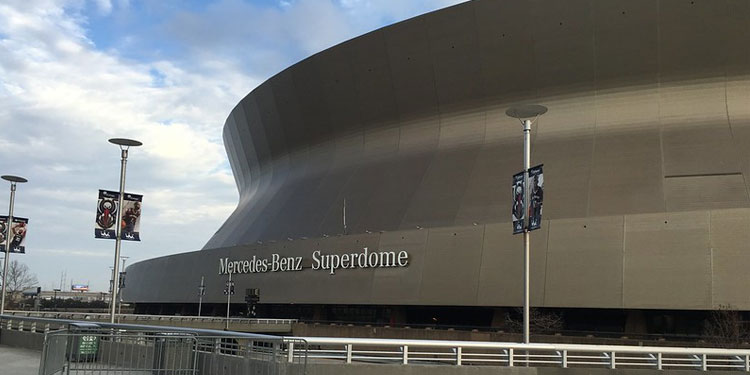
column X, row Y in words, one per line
column 351, row 350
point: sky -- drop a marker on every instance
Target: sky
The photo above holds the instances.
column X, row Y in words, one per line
column 75, row 73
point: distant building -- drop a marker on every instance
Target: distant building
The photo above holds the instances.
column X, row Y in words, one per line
column 78, row 296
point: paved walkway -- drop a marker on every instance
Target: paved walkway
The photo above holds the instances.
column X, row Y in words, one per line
column 17, row 361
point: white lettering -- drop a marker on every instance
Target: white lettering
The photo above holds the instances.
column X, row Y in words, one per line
column 328, row 262
column 403, row 258
column 223, row 266
column 316, row 260
column 387, row 259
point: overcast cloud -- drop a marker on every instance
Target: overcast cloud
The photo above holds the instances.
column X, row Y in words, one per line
column 75, row 73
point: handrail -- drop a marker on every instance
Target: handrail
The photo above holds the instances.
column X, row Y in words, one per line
column 58, row 314
column 142, row 327
column 349, row 350
column 521, row 346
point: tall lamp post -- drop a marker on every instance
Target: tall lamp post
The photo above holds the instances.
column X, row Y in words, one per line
column 119, row 303
column 13, row 181
column 525, row 113
column 125, row 145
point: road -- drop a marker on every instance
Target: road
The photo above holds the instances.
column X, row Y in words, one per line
column 18, row 361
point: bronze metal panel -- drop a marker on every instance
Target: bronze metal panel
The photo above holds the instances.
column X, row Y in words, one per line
column 501, row 270
column 730, row 234
column 504, row 76
column 410, row 60
column 401, row 285
column 691, row 193
column 584, row 262
column 438, row 197
column 452, row 259
column 487, row 197
column 453, row 43
column 626, row 175
column 667, row 261
column 563, row 46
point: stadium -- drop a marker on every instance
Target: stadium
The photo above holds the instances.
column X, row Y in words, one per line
column 374, row 176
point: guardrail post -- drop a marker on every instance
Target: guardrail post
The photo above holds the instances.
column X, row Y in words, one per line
column 612, row 360
column 565, row 358
column 290, row 352
column 704, row 362
column 747, row 363
column 348, row 353
column 46, row 328
column 458, row 355
column 405, row 357
column 510, row 357
column 659, row 364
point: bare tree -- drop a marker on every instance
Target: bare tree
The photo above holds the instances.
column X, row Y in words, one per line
column 19, row 278
column 725, row 327
column 539, row 321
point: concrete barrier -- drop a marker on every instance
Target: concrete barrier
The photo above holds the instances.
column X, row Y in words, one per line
column 21, row 339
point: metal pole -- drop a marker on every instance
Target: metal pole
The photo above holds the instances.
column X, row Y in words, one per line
column 201, row 290
column 229, row 296
column 118, row 224
column 119, row 303
column 526, row 244
column 7, row 243
column 344, row 216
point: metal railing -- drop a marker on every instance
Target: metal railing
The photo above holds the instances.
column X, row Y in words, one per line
column 72, row 347
column 229, row 352
column 351, row 350
column 140, row 317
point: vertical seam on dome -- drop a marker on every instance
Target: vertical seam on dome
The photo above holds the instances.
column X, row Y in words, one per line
column 658, row 103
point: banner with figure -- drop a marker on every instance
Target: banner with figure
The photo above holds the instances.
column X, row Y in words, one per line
column 536, row 196
column 517, row 206
column 106, row 215
column 17, row 234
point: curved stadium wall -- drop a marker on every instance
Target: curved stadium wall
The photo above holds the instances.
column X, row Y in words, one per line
column 645, row 148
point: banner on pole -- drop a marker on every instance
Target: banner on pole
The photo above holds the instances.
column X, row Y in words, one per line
column 536, row 196
column 17, row 234
column 106, row 215
column 517, row 206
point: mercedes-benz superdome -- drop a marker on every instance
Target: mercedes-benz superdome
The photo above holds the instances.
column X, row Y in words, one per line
column 374, row 177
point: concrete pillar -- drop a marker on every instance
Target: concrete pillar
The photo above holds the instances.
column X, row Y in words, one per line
column 398, row 315
column 635, row 322
column 499, row 318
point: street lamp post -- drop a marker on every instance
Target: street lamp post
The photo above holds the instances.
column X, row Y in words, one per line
column 13, row 181
column 524, row 113
column 119, row 303
column 229, row 291
column 201, row 292
column 125, row 145
column 55, row 298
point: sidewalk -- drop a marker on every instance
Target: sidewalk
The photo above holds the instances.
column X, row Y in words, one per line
column 18, row 361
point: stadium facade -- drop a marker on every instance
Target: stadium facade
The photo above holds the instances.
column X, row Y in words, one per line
column 646, row 148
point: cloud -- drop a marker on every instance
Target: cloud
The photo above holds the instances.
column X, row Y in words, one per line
column 105, row 6
column 74, row 73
